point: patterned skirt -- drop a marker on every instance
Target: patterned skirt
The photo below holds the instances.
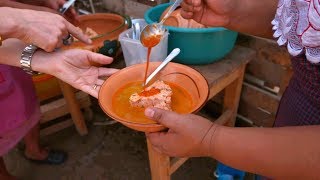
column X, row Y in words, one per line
column 300, row 104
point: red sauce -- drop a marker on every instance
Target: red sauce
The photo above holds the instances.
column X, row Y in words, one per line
column 151, row 92
column 181, row 102
column 149, row 43
column 147, row 66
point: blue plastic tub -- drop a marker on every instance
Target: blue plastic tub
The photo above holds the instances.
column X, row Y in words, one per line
column 225, row 172
column 198, row 46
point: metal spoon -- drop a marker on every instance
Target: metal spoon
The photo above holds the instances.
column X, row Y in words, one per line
column 172, row 55
column 138, row 31
column 66, row 6
column 157, row 28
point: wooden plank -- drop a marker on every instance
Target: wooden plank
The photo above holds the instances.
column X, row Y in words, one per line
column 59, row 108
column 222, row 83
column 225, row 117
column 258, row 105
column 258, row 116
column 243, row 122
column 176, row 163
column 266, row 49
column 74, row 108
column 56, row 127
column 159, row 164
column 267, row 71
column 232, row 95
column 260, row 98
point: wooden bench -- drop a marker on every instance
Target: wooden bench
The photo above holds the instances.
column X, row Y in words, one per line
column 225, row 75
column 57, row 100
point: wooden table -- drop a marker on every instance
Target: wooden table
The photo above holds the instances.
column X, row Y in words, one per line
column 226, row 75
column 73, row 105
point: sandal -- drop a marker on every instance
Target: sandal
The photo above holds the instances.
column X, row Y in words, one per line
column 54, row 157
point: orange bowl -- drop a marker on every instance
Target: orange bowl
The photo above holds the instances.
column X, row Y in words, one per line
column 181, row 75
column 108, row 26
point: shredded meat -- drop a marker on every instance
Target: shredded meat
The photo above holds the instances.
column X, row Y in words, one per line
column 156, row 95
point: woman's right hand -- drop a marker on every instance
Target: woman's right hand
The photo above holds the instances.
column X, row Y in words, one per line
column 188, row 135
column 209, row 12
column 43, row 29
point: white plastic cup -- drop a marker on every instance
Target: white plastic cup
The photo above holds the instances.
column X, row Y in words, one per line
column 135, row 53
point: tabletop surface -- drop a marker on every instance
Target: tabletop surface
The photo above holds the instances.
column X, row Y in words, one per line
column 215, row 71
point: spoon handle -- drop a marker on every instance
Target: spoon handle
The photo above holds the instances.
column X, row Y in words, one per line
column 172, row 55
column 172, row 8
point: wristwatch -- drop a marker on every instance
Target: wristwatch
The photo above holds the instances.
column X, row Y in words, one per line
column 26, row 58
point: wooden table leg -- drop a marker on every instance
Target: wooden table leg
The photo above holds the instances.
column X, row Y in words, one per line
column 159, row 164
column 74, row 108
column 232, row 96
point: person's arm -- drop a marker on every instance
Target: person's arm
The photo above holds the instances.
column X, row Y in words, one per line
column 279, row 153
column 74, row 67
column 19, row 5
column 43, row 29
column 254, row 17
column 246, row 16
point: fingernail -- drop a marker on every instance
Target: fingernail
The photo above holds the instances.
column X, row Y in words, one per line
column 149, row 112
column 89, row 41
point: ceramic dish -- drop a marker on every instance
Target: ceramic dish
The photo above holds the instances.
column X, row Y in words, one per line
column 108, row 26
column 181, row 75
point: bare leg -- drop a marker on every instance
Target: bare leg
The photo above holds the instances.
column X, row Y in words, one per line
column 33, row 149
column 4, row 174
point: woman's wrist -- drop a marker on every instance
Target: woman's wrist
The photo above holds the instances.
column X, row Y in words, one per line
column 41, row 62
column 208, row 141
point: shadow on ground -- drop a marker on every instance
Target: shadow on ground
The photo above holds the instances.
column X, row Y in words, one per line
column 109, row 152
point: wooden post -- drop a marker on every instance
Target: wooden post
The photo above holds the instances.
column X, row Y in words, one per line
column 232, row 95
column 74, row 107
column 159, row 164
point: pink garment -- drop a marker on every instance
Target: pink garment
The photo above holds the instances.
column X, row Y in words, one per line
column 19, row 107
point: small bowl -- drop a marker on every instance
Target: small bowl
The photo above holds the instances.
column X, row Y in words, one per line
column 186, row 77
column 108, row 26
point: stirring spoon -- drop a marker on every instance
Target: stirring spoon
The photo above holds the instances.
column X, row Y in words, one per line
column 157, row 29
column 172, row 55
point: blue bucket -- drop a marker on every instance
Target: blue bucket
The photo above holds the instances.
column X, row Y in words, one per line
column 225, row 172
column 198, row 45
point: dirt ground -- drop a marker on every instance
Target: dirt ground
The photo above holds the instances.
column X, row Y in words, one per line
column 108, row 152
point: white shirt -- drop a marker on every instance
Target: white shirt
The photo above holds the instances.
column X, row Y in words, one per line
column 297, row 25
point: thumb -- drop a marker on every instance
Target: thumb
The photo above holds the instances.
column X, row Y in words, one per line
column 99, row 58
column 169, row 119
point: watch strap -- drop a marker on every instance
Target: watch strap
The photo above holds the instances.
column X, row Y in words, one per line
column 26, row 58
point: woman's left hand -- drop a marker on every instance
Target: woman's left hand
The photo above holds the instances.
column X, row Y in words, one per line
column 79, row 68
